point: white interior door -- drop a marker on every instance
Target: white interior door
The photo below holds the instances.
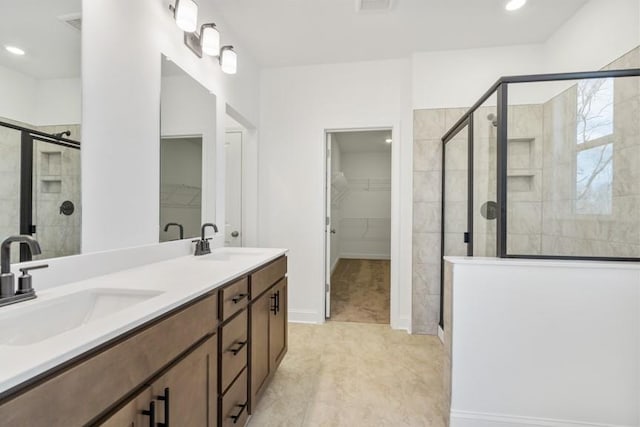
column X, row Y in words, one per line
column 328, row 228
column 233, row 189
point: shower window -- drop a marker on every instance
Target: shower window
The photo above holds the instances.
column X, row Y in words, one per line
column 594, row 149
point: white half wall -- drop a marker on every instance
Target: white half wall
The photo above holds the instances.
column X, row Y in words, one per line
column 298, row 104
column 545, row 343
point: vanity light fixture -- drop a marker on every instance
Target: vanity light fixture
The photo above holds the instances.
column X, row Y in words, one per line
column 15, row 50
column 228, row 60
column 514, row 5
column 185, row 13
column 210, row 39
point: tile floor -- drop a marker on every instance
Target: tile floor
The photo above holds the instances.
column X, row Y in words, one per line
column 353, row 374
column 360, row 291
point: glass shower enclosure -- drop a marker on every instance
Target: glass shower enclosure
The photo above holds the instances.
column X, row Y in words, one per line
column 546, row 167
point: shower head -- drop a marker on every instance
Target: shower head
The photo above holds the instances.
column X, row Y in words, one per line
column 66, row 133
column 493, row 119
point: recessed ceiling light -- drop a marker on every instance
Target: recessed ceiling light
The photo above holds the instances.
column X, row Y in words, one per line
column 515, row 4
column 388, row 140
column 14, row 50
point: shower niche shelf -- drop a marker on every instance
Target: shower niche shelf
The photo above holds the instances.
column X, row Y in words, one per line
column 50, row 185
column 520, row 153
column 51, row 162
column 520, row 183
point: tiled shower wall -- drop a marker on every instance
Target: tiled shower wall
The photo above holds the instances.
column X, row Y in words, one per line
column 541, row 174
column 615, row 233
column 57, row 178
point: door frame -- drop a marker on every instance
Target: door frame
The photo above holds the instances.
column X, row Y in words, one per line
column 242, row 133
column 394, row 316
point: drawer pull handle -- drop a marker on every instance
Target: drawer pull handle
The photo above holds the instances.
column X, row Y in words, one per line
column 151, row 413
column 165, row 398
column 278, row 301
column 236, row 350
column 236, row 417
column 239, row 298
column 274, row 307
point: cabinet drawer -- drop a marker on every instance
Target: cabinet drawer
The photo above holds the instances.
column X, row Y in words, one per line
column 81, row 392
column 233, row 349
column 234, row 403
column 234, row 298
column 262, row 279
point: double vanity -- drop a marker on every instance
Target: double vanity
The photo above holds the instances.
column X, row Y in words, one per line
column 191, row 341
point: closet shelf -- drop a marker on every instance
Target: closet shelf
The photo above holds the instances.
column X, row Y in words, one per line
column 369, row 184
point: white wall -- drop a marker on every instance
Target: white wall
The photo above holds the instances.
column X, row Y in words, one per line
column 297, row 105
column 39, row 102
column 18, row 95
column 458, row 78
column 602, row 31
column 597, row 34
column 545, row 340
column 58, row 102
column 365, row 228
column 122, row 44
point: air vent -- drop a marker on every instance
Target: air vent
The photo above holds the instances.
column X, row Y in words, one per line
column 373, row 5
column 73, row 20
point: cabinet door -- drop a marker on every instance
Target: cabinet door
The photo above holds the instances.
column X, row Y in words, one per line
column 187, row 393
column 260, row 310
column 131, row 415
column 278, row 325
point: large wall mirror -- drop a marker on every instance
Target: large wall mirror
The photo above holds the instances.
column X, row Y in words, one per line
column 40, row 110
column 187, row 140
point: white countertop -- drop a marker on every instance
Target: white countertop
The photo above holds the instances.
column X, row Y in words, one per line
column 180, row 280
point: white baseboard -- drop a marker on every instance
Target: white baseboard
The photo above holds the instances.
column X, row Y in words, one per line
column 304, row 316
column 353, row 255
column 334, row 265
column 441, row 334
column 476, row 419
column 402, row 323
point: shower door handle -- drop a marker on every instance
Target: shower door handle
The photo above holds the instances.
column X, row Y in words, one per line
column 332, row 231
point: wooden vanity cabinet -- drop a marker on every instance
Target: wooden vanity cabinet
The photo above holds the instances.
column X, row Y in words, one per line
column 268, row 319
column 185, row 394
column 202, row 364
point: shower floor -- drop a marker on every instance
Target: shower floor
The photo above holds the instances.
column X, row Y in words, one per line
column 360, row 291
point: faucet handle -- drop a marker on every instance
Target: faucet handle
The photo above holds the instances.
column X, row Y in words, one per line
column 25, row 281
column 26, row 270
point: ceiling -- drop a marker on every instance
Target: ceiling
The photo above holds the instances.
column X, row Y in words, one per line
column 363, row 142
column 52, row 46
column 304, row 32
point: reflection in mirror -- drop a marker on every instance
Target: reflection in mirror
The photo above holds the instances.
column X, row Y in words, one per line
column 40, row 111
column 187, row 123
column 233, row 148
column 180, row 187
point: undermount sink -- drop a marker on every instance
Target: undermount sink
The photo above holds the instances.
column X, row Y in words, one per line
column 42, row 320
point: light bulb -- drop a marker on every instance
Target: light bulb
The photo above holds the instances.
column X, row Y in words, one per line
column 187, row 15
column 14, row 50
column 228, row 60
column 515, row 4
column 210, row 40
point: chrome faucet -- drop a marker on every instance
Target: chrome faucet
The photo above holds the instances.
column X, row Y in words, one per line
column 175, row 224
column 8, row 293
column 202, row 245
